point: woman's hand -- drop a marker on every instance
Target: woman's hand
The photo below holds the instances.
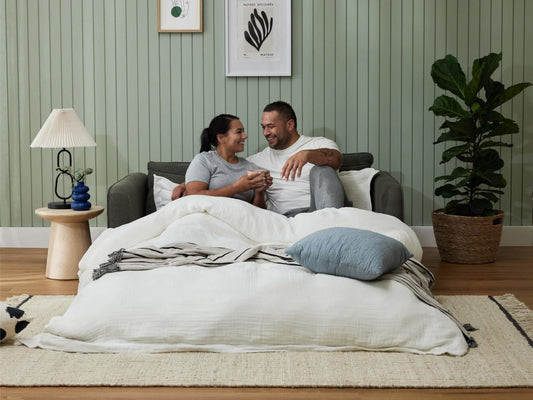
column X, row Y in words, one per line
column 251, row 180
column 267, row 183
column 260, row 192
column 179, row 191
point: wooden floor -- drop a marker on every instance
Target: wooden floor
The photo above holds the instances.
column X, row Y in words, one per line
column 22, row 271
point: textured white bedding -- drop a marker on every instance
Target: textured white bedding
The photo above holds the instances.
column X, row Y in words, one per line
column 244, row 306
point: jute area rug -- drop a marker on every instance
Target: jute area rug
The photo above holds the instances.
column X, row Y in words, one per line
column 504, row 358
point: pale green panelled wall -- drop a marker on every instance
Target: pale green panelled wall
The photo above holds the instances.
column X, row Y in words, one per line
column 360, row 75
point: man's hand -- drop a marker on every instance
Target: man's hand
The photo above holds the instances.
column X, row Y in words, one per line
column 293, row 166
column 178, row 191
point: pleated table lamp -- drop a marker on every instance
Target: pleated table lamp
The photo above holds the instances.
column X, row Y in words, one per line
column 62, row 129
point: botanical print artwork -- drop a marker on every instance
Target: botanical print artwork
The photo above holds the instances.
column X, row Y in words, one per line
column 258, row 30
column 258, row 37
column 179, row 15
column 180, row 8
column 254, row 35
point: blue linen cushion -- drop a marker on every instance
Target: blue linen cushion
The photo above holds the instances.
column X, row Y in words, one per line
column 349, row 252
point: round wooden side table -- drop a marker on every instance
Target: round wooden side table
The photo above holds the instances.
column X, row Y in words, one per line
column 69, row 239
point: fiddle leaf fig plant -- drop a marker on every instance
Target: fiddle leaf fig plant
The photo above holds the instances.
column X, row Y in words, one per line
column 473, row 123
column 79, row 174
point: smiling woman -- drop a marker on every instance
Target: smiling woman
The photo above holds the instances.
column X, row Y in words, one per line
column 217, row 171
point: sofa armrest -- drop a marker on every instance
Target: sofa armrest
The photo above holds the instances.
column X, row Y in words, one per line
column 126, row 199
column 387, row 195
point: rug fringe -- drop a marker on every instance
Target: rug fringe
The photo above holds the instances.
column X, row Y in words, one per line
column 519, row 311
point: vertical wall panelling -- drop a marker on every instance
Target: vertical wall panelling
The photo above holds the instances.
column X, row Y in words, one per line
column 5, row 170
column 305, row 115
column 406, row 107
column 187, row 96
column 341, row 127
column 76, row 75
column 317, row 110
column 329, row 72
column 121, row 79
column 24, row 106
column 296, row 79
column 527, row 121
column 155, row 83
column 34, row 116
column 429, row 129
column 362, row 56
column 384, row 67
column 507, row 109
column 13, row 112
column 132, row 89
column 417, row 126
column 165, row 83
column 351, row 77
column 360, row 75
column 208, row 76
column 176, row 98
column 88, row 114
column 143, row 86
column 396, row 94
column 373, row 92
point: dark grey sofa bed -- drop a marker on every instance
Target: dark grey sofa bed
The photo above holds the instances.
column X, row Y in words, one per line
column 132, row 197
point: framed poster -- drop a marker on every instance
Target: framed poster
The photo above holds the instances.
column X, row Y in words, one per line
column 179, row 15
column 258, row 37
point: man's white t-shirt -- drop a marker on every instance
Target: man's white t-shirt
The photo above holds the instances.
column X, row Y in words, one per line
column 284, row 196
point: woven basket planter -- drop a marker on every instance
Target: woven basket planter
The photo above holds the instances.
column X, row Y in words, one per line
column 467, row 240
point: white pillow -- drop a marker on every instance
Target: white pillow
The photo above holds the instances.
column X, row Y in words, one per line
column 163, row 188
column 357, row 186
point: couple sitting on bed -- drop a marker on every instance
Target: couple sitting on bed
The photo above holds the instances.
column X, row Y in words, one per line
column 294, row 174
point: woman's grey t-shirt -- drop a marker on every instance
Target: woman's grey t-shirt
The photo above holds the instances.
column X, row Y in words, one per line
column 210, row 168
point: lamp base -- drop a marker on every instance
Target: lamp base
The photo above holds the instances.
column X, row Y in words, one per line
column 59, row 205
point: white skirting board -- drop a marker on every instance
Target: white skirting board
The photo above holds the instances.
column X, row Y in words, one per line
column 38, row 237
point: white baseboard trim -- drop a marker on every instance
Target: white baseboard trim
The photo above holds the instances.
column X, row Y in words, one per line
column 511, row 236
column 38, row 237
column 32, row 237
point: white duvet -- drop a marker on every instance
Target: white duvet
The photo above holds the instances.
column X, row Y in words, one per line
column 243, row 306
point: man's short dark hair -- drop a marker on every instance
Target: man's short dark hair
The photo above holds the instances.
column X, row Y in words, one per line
column 284, row 109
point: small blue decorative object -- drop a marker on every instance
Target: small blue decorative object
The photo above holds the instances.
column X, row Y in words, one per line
column 80, row 197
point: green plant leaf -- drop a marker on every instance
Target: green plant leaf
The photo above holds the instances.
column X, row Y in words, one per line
column 452, row 136
column 474, row 86
column 454, row 152
column 490, row 143
column 448, row 107
column 464, row 126
column 452, row 206
column 462, row 183
column 497, row 191
column 489, row 160
column 488, row 65
column 480, row 206
column 496, row 180
column 456, row 173
column 491, row 196
column 447, row 191
column 495, row 116
column 493, row 89
column 503, row 128
column 509, row 93
column 448, row 75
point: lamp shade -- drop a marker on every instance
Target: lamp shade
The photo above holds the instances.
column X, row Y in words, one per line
column 63, row 128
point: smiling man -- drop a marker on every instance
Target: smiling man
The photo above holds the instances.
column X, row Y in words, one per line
column 290, row 158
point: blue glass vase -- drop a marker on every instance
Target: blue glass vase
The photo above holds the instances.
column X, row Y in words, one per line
column 80, row 197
